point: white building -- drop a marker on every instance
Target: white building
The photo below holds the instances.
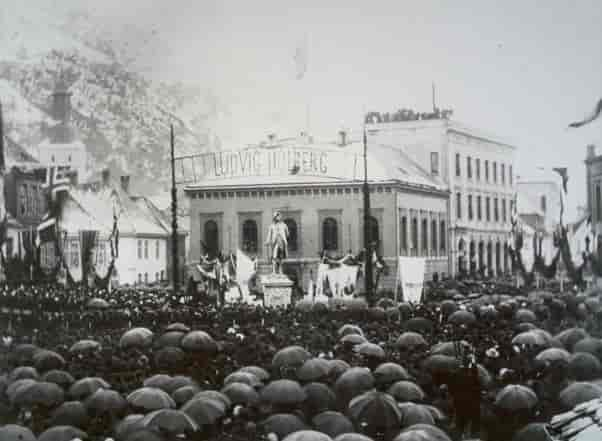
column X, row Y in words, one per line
column 541, row 198
column 477, row 169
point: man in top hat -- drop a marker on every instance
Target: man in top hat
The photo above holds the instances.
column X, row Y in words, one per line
column 277, row 241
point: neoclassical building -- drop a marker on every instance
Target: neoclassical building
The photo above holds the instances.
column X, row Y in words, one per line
column 318, row 189
column 476, row 168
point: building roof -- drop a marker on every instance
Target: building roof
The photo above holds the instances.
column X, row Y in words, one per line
column 316, row 164
column 583, row 423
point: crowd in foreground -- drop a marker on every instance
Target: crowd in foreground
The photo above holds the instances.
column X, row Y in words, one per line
column 470, row 361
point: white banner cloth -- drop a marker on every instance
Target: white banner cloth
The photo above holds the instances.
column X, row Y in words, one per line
column 410, row 273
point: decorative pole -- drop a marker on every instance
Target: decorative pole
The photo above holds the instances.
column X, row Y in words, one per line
column 367, row 240
column 174, row 217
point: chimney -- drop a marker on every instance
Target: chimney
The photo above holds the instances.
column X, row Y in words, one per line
column 106, row 177
column 591, row 151
column 342, row 138
column 61, row 103
column 125, row 183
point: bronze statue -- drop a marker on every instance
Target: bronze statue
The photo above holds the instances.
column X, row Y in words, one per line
column 277, row 242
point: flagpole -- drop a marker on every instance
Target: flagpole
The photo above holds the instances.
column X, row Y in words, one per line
column 367, row 245
column 174, row 216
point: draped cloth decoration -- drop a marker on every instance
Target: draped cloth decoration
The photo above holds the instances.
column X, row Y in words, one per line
column 517, row 258
column 575, row 273
column 104, row 282
column 87, row 240
column 410, row 275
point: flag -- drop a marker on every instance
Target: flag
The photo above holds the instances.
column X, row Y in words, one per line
column 595, row 114
column 47, row 231
column 562, row 171
column 301, row 60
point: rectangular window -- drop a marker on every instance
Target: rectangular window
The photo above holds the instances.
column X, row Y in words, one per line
column 504, row 213
column 487, row 209
column 139, row 249
column 459, row 205
column 479, row 209
column 496, row 213
column 478, row 168
column 470, row 213
column 598, row 204
column 404, row 234
column 435, row 163
column 458, row 173
column 503, row 173
column 442, row 236
column 146, row 249
column 510, row 174
column 157, row 249
column 495, row 172
column 486, row 170
column 469, row 167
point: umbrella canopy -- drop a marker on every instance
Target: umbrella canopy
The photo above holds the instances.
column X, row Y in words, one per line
column 532, row 432
column 215, row 395
column 319, row 398
column 62, row 378
column 406, row 391
column 85, row 346
column 145, row 434
column 448, row 307
column 184, row 394
column 13, row 432
column 422, row 432
column 150, row 398
column 180, row 381
column 375, row 409
column 590, row 345
column 371, row 350
column 584, row 366
column 97, row 303
column 410, row 341
column 412, row 414
column 332, row 423
column 22, row 373
column 451, row 348
column 525, row 316
column 390, row 373
column 177, row 327
column 353, row 339
column 291, row 356
column 169, row 356
column 25, row 351
column 259, row 372
column 204, row 411
column 70, row 413
column 240, row 393
column 283, row 424
column 170, row 338
column 45, row 360
column 315, row 369
column 352, row 437
column 136, row 338
column 171, row 421
column 516, row 397
column 243, row 377
column 462, row 317
column 159, row 381
column 283, row 392
column 530, row 338
column 199, row 341
column 553, row 355
column 39, row 393
column 570, row 337
column 16, row 386
column 338, row 367
column 62, row 433
column 440, row 364
column 577, row 393
column 106, row 401
column 129, row 424
column 419, row 324
column 307, row 435
column 85, row 387
column 350, row 329
column 352, row 383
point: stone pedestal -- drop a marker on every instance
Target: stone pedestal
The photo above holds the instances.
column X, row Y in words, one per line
column 277, row 290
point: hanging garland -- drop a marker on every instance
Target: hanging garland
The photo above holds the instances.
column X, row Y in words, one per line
column 517, row 259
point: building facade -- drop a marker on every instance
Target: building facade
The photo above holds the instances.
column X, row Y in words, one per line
column 317, row 187
column 593, row 170
column 476, row 168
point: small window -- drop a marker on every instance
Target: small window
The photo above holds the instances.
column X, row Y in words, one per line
column 404, row 234
column 145, row 277
column 414, row 234
column 496, row 213
column 330, row 234
column 434, row 236
column 292, row 234
column 425, row 232
column 52, row 158
column 469, row 167
column 146, row 249
column 157, row 249
column 511, row 178
column 504, row 213
column 478, row 168
column 442, row 235
column 139, row 278
column 139, row 249
column 479, row 208
column 69, row 159
column 488, row 208
column 435, row 163
column 459, row 205
column 470, row 212
column 543, row 203
column 486, row 171
column 503, row 173
column 495, row 172
column 458, row 167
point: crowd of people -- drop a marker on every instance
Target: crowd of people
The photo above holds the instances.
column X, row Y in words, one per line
column 475, row 359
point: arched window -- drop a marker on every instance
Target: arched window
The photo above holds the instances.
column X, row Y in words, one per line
column 404, row 234
column 249, row 236
column 434, row 236
column 543, row 203
column 211, row 237
column 330, row 234
column 145, row 277
column 374, row 233
column 414, row 235
column 442, row 236
column 425, row 233
column 292, row 234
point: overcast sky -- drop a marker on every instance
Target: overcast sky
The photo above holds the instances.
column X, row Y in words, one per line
column 522, row 69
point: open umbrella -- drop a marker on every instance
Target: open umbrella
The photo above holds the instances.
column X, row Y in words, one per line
column 13, row 432
column 370, row 350
column 375, row 409
column 160, row 381
column 577, row 393
column 412, row 413
column 422, row 432
column 171, row 421
column 338, row 367
column 352, row 383
column 307, row 435
column 170, row 338
column 319, row 398
column 85, row 387
column 240, row 393
column 451, row 348
column 350, row 329
column 419, row 324
column 462, row 317
column 515, row 397
column 128, row 425
column 85, row 346
column 584, row 366
column 179, row 381
column 404, row 391
column 106, row 401
column 136, row 338
column 62, row 433
column 530, row 338
column 410, row 341
column 532, row 432
column 45, row 360
column 570, row 337
column 145, row 434
column 353, row 339
column 199, row 341
column 283, row 424
column 14, row 387
column 39, row 393
column 204, row 411
column 259, row 372
column 440, row 364
column 150, row 398
column 291, row 356
column 314, row 369
column 184, row 394
column 332, row 423
column 70, row 413
column 243, row 377
column 590, row 345
column 352, row 437
column 177, row 327
column 215, row 395
column 22, row 373
column 283, row 392
column 169, row 356
column 390, row 373
column 553, row 355
column 62, row 378
column 525, row 316
column 97, row 303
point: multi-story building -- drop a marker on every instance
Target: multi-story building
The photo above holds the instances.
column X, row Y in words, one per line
column 477, row 169
column 593, row 168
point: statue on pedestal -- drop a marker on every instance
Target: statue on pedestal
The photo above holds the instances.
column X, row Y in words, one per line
column 277, row 243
